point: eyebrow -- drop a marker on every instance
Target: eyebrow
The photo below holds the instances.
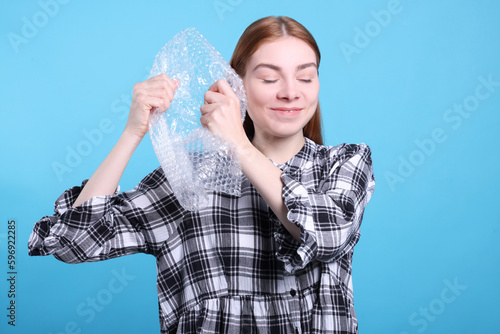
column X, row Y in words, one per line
column 278, row 69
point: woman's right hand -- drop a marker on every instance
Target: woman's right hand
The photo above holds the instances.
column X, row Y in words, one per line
column 156, row 92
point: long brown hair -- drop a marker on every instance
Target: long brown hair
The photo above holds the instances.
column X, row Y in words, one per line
column 269, row 29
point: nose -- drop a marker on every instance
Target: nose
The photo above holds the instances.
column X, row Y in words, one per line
column 288, row 90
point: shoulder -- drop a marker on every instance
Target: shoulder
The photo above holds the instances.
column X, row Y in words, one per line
column 153, row 180
column 153, row 186
column 345, row 166
column 316, row 164
column 330, row 156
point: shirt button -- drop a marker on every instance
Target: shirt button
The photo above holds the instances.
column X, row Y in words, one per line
column 293, row 292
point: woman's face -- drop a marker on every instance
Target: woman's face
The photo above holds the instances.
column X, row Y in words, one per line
column 282, row 88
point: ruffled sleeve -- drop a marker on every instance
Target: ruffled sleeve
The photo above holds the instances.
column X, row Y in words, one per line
column 326, row 199
column 104, row 227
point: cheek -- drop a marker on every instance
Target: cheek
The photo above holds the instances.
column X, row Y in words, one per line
column 258, row 97
column 312, row 96
column 313, row 92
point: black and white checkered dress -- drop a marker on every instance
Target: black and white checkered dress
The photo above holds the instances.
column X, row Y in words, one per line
column 232, row 267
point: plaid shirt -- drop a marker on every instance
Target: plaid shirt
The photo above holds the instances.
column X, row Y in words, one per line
column 232, row 267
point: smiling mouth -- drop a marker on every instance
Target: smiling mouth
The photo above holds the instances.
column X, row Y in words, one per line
column 287, row 110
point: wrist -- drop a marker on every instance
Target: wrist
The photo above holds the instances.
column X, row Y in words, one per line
column 248, row 156
column 131, row 137
column 245, row 149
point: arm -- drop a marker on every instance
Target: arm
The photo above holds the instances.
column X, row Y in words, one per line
column 153, row 93
column 105, row 179
column 326, row 199
column 266, row 178
column 322, row 221
column 105, row 227
column 221, row 115
column 93, row 222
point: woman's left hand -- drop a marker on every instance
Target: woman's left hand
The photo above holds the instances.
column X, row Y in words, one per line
column 221, row 113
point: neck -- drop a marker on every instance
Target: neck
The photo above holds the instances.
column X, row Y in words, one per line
column 279, row 150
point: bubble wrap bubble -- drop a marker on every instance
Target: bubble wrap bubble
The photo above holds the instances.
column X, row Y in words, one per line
column 193, row 159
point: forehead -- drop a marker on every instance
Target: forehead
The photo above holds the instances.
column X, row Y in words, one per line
column 283, row 52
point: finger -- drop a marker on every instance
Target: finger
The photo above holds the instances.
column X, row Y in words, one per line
column 213, row 97
column 144, row 102
column 155, row 102
column 159, row 83
column 160, row 92
column 159, row 103
column 214, row 87
column 207, row 108
column 204, row 120
column 162, row 80
column 160, row 77
column 222, row 87
column 157, row 88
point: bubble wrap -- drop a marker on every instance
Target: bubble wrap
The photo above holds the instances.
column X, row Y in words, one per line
column 193, row 159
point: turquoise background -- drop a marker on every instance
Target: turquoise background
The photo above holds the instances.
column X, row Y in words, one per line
column 428, row 258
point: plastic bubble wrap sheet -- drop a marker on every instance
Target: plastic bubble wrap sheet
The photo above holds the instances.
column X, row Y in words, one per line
column 193, row 159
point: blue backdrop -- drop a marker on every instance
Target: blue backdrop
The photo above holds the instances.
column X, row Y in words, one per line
column 419, row 81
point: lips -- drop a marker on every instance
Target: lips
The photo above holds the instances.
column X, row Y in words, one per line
column 287, row 110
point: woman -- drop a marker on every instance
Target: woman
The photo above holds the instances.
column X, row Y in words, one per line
column 275, row 260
